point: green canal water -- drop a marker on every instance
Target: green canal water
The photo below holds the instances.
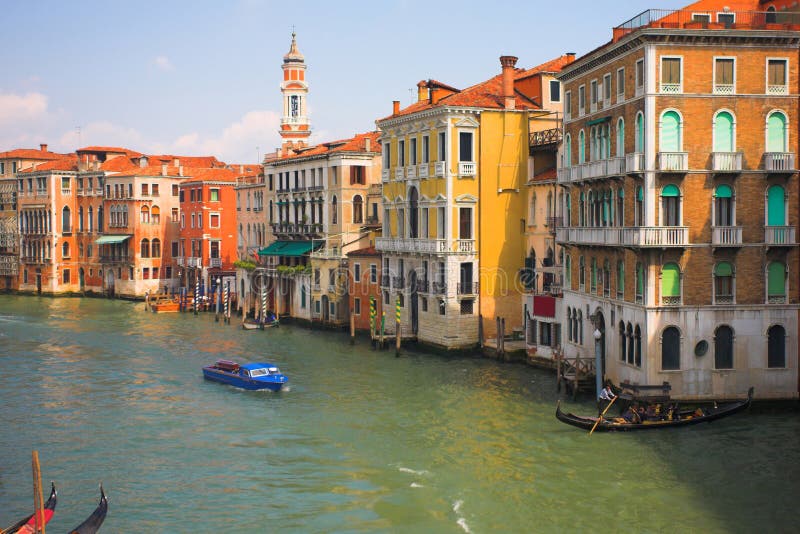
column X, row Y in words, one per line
column 361, row 442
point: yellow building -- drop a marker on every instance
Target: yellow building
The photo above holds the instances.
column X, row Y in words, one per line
column 455, row 168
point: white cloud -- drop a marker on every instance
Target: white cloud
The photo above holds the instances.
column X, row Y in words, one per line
column 163, row 63
column 15, row 108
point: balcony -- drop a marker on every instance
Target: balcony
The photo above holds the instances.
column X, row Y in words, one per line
column 726, row 236
column 779, row 162
column 630, row 236
column 469, row 288
column 634, row 163
column 439, row 169
column 726, row 161
column 673, row 161
column 467, row 168
column 779, row 236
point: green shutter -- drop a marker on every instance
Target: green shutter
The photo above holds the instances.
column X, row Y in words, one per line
column 723, row 132
column 776, row 133
column 775, row 206
column 776, row 273
column 724, row 191
column 670, row 132
column 670, row 280
column 723, row 269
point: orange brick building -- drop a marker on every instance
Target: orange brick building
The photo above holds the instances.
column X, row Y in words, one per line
column 680, row 201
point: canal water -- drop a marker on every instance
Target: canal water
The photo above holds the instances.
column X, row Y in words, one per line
column 361, row 442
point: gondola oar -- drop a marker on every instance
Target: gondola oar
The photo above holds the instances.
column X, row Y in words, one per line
column 600, row 417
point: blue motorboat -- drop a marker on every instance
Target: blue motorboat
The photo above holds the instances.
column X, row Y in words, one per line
column 246, row 376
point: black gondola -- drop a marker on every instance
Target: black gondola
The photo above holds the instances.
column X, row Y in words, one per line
column 684, row 418
column 49, row 505
column 94, row 521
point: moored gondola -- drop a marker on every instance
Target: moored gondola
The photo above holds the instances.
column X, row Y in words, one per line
column 94, row 521
column 682, row 418
column 30, row 521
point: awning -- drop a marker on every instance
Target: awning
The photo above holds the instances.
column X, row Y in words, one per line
column 112, row 239
column 598, row 121
column 289, row 248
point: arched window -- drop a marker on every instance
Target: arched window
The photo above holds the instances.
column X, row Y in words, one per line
column 776, row 346
column 567, row 150
column 581, row 147
column 334, row 211
column 670, row 284
column 66, row 220
column 776, row 283
column 723, row 348
column 723, row 207
column 155, row 215
column 670, row 205
column 145, row 248
column 358, row 211
column 724, row 134
column 145, row 214
column 777, row 133
column 670, row 136
column 622, row 341
column 776, row 206
column 65, row 250
column 155, row 248
column 637, row 336
column 620, row 137
column 639, row 133
column 723, row 283
column 671, row 349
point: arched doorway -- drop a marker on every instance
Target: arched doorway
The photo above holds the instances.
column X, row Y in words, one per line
column 414, row 298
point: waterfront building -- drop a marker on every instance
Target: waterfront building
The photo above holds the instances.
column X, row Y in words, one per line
column 455, row 166
column 11, row 162
column 208, row 244
column 364, row 289
column 321, row 201
column 680, row 204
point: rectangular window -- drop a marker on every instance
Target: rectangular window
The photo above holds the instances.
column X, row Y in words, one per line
column 426, row 149
column 555, row 91
column 442, row 146
column 213, row 220
column 724, row 76
column 465, row 146
column 607, row 89
column 620, row 84
column 214, row 195
column 639, row 77
column 581, row 100
column 776, row 77
column 357, row 272
column 671, row 75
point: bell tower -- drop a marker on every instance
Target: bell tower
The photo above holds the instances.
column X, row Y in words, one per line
column 295, row 127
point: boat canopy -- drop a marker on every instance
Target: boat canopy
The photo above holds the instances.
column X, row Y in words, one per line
column 112, row 239
column 289, row 248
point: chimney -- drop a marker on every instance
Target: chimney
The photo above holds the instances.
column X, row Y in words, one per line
column 366, row 144
column 163, row 169
column 508, row 63
column 395, row 107
column 422, row 91
column 43, row 147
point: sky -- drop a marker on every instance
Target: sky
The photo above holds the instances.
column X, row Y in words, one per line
column 203, row 77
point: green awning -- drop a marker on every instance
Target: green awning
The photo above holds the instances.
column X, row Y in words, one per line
column 112, row 239
column 598, row 121
column 289, row 248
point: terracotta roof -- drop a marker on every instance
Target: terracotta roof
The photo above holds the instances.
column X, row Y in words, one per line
column 368, row 251
column 30, row 153
column 68, row 162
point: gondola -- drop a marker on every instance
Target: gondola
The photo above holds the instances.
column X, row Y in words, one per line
column 27, row 524
column 684, row 418
column 94, row 521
